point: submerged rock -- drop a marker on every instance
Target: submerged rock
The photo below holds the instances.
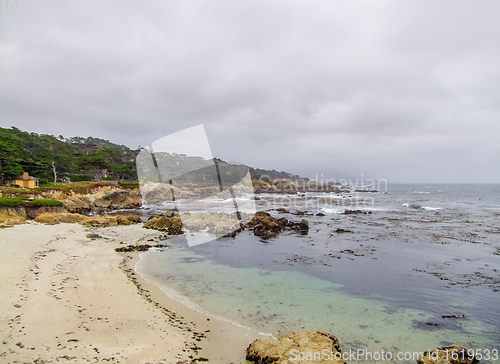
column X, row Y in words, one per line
column 353, row 212
column 300, row 346
column 453, row 354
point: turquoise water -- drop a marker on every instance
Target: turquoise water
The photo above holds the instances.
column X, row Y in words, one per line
column 278, row 302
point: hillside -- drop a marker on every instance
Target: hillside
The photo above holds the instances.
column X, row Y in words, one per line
column 89, row 159
column 74, row 159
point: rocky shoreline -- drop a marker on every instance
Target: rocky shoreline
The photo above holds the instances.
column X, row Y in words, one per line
column 101, row 199
column 104, row 199
column 262, row 223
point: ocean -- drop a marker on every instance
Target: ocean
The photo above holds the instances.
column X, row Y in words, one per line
column 417, row 267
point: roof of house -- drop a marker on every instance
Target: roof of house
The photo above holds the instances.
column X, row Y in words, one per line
column 22, row 177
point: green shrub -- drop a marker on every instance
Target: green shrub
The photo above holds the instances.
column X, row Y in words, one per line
column 44, row 202
column 11, row 201
column 16, row 201
column 129, row 184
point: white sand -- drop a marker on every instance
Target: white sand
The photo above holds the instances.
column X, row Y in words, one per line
column 64, row 296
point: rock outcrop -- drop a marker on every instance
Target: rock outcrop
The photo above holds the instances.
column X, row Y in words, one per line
column 297, row 347
column 453, row 354
column 33, row 212
column 354, row 212
column 21, row 213
column 18, row 211
column 138, row 248
column 10, row 216
column 168, row 221
column 110, row 220
column 53, row 218
column 264, row 225
column 50, row 218
column 104, row 199
column 77, row 204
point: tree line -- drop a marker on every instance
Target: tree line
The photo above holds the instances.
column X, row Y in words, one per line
column 59, row 159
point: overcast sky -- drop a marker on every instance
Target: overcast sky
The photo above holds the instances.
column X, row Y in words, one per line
column 407, row 91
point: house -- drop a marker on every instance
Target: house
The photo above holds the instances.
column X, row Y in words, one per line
column 24, row 181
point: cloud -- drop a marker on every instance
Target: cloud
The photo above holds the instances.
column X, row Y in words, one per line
column 401, row 90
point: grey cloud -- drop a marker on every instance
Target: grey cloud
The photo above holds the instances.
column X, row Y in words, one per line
column 401, row 90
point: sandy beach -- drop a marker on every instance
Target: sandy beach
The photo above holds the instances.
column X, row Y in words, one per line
column 66, row 297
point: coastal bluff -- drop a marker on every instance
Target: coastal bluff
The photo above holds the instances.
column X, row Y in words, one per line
column 18, row 204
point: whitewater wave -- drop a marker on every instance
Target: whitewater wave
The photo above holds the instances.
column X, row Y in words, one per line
column 420, row 207
column 332, row 210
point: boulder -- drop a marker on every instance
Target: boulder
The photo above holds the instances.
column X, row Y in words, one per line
column 301, row 346
column 264, row 225
column 453, row 354
column 102, row 203
column 117, row 197
column 104, row 199
column 134, row 219
column 168, row 221
column 71, row 218
column 128, row 219
column 303, row 225
column 122, row 199
column 53, row 218
column 100, row 221
column 353, row 212
column 158, row 195
column 76, row 204
column 108, row 220
column 127, row 203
